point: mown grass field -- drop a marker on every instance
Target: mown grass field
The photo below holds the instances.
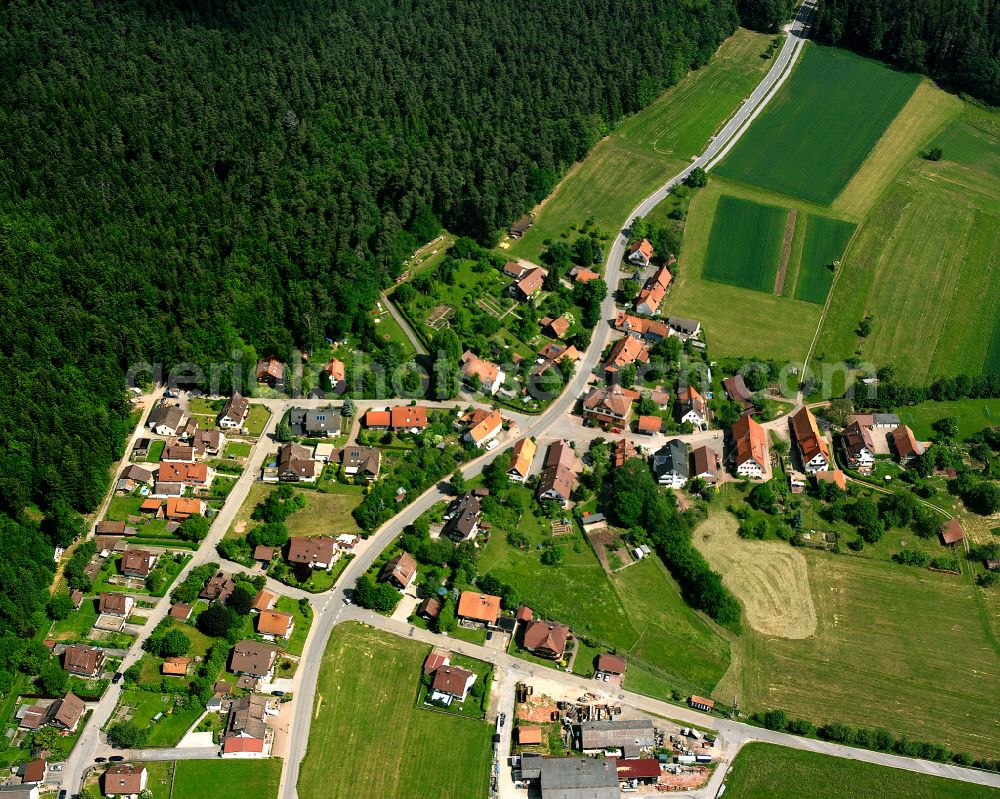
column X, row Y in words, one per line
column 326, row 512
column 767, row 325
column 365, row 711
column 767, row 771
column 745, row 244
column 638, row 611
column 926, row 264
column 650, row 147
column 895, row 647
column 821, row 125
column 973, row 416
column 825, row 242
column 225, row 779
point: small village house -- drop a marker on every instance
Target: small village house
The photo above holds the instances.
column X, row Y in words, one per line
column 125, row 781
column 810, row 442
column 546, row 639
column 234, row 412
column 521, row 456
column 476, row 607
column 640, row 252
column 399, row 572
column 750, row 455
column 83, row 661
column 314, row 552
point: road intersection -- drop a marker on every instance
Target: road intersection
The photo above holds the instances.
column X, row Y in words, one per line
column 332, row 608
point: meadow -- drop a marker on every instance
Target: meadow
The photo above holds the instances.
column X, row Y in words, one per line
column 767, row 771
column 973, row 415
column 644, row 151
column 896, row 647
column 820, row 126
column 401, row 750
column 327, row 512
column 222, row 779
column 745, row 243
column 927, row 258
column 825, row 242
column 637, row 611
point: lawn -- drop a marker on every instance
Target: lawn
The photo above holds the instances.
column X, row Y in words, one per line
column 257, row 419
column 389, row 329
column 155, row 451
column 825, row 242
column 767, row 771
column 403, row 751
column 973, row 416
column 200, row 644
column 175, row 721
column 928, row 255
column 302, row 624
column 238, row 449
column 649, row 147
column 901, row 648
column 222, row 779
column 820, row 126
column 744, row 247
column 328, row 511
column 77, row 624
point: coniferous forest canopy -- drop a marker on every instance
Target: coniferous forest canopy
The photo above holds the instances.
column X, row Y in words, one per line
column 182, row 180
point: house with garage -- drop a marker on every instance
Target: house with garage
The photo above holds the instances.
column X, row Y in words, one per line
column 558, row 476
column 611, row 406
column 208, row 443
column 651, row 330
column 649, row 300
column 270, row 371
column 706, row 464
column 408, row 419
column 648, row 425
column 623, row 352
column 364, row 463
column 314, row 552
column 640, row 252
column 622, row 451
column 580, row 274
column 125, row 781
column 905, row 444
column 670, row 464
column 545, row 639
column 528, row 285
column 336, row 375
column 461, row 519
column 481, row 375
column 253, row 658
column 692, row 408
column 399, row 572
column 217, row 588
column 485, row 426
column 521, row 456
column 115, row 604
column 133, row 477
column 180, row 508
column 296, row 464
column 750, row 455
column 478, row 608
column 137, row 562
column 273, row 624
column 554, row 328
column 246, row 732
column 166, row 420
column 736, row 389
column 177, row 453
column 858, row 447
column 451, row 684
column 314, row 422
column 685, row 328
column 83, row 661
column 195, row 475
column 65, row 713
column 234, row 412
column 811, row 444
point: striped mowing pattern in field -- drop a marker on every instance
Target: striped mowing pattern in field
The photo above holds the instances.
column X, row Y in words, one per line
column 820, row 126
column 826, row 239
column 745, row 243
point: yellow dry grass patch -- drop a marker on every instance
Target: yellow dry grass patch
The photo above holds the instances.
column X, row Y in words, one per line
column 924, row 115
column 769, row 577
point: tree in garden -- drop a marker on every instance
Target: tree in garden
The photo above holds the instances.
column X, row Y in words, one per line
column 128, row 735
column 215, row 621
column 194, row 528
column 457, row 482
column 59, row 606
column 174, row 643
column 283, row 431
column 240, row 601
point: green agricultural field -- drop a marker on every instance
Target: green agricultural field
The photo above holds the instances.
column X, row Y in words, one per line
column 745, row 244
column 895, row 647
column 825, row 242
column 767, row 325
column 973, row 416
column 650, row 147
column 925, row 265
column 767, row 771
column 365, row 707
column 821, row 125
column 638, row 611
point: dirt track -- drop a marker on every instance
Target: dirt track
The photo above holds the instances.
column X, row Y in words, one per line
column 769, row 577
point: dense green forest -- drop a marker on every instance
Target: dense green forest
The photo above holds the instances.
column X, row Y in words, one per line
column 180, row 181
column 955, row 42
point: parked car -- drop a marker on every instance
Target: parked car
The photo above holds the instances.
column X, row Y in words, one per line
column 489, row 635
column 116, row 758
column 117, row 678
column 100, row 760
column 503, row 719
column 62, row 794
column 277, row 693
column 492, row 445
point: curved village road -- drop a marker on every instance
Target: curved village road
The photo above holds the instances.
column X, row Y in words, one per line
column 331, row 608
